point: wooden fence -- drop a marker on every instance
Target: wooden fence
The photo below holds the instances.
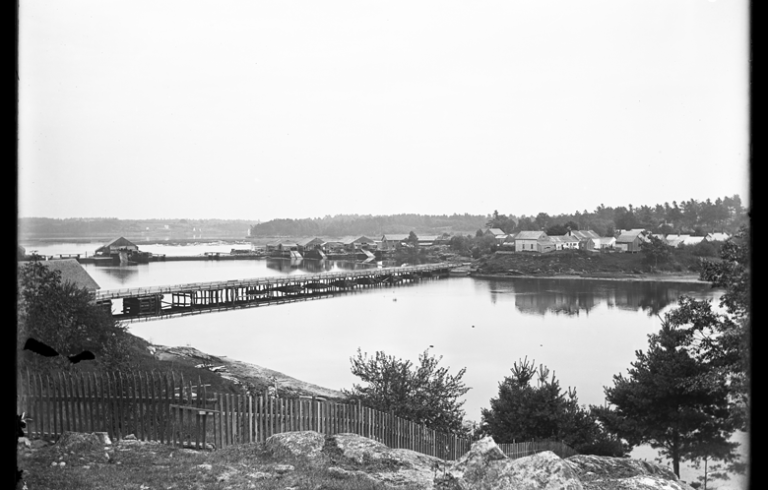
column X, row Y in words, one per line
column 167, row 408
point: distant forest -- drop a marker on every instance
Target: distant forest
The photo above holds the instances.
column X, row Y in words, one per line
column 353, row 224
column 30, row 228
column 691, row 217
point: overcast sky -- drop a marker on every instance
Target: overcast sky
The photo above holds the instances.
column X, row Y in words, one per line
column 292, row 109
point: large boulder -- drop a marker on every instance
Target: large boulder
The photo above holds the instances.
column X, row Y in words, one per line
column 303, row 445
column 603, row 472
column 541, row 471
column 481, row 454
column 394, row 468
column 486, row 466
column 592, row 467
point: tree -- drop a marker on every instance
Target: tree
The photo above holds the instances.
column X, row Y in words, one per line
column 413, row 239
column 64, row 317
column 722, row 340
column 523, row 412
column 655, row 251
column 423, row 393
column 504, row 223
column 659, row 402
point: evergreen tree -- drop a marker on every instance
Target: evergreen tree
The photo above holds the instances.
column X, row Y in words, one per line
column 523, row 412
column 661, row 404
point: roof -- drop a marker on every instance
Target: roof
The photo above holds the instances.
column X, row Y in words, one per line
column 693, row 240
column 584, row 234
column 630, row 235
column 119, row 242
column 563, row 238
column 72, row 271
column 674, row 242
column 428, row 238
column 530, row 235
column 396, row 237
column 717, row 237
column 672, row 236
column 308, row 240
column 347, row 240
column 495, row 231
column 604, row 239
column 281, row 242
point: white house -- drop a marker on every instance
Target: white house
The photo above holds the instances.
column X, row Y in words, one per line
column 527, row 241
column 566, row 242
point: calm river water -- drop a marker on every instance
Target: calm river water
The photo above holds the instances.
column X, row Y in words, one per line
column 584, row 330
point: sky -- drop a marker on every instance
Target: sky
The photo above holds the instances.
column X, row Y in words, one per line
column 238, row 109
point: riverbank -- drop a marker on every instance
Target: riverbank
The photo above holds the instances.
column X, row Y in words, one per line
column 677, row 278
column 681, row 266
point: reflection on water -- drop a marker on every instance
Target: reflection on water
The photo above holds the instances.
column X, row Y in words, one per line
column 573, row 296
column 122, row 273
column 304, row 266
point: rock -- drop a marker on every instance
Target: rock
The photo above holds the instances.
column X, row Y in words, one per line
column 545, row 471
column 38, row 443
column 224, row 477
column 480, row 455
column 205, row 466
column 379, row 463
column 259, row 475
column 355, row 448
column 78, row 442
column 62, row 463
column 104, row 438
column 129, row 437
column 282, row 469
column 54, row 463
column 592, row 467
column 339, row 473
column 23, row 441
column 305, row 445
column 599, row 472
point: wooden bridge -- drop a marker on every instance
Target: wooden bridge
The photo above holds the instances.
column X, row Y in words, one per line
column 151, row 303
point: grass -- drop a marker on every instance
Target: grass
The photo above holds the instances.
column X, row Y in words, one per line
column 144, row 466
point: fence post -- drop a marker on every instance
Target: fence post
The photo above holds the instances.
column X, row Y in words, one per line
column 314, row 424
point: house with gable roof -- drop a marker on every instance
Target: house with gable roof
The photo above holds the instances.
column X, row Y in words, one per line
column 630, row 240
column 528, row 241
column 564, row 242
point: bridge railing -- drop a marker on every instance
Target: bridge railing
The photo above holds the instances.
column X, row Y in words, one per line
column 141, row 291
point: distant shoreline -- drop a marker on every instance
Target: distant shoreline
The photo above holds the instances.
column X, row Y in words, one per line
column 679, row 278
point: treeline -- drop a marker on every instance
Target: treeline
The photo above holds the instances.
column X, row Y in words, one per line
column 112, row 227
column 374, row 226
column 690, row 217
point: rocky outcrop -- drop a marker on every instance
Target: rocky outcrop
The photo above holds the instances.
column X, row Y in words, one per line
column 484, row 467
column 602, row 472
column 306, row 445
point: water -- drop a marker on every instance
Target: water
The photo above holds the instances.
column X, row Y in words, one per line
column 584, row 330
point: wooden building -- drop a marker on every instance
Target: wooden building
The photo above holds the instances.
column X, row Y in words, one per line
column 586, row 238
column 527, row 241
column 393, row 241
column 630, row 240
column 116, row 246
column 564, row 242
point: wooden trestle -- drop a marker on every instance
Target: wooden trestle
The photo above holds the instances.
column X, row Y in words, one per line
column 141, row 304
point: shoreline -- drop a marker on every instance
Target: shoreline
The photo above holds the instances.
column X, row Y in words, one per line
column 679, row 278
